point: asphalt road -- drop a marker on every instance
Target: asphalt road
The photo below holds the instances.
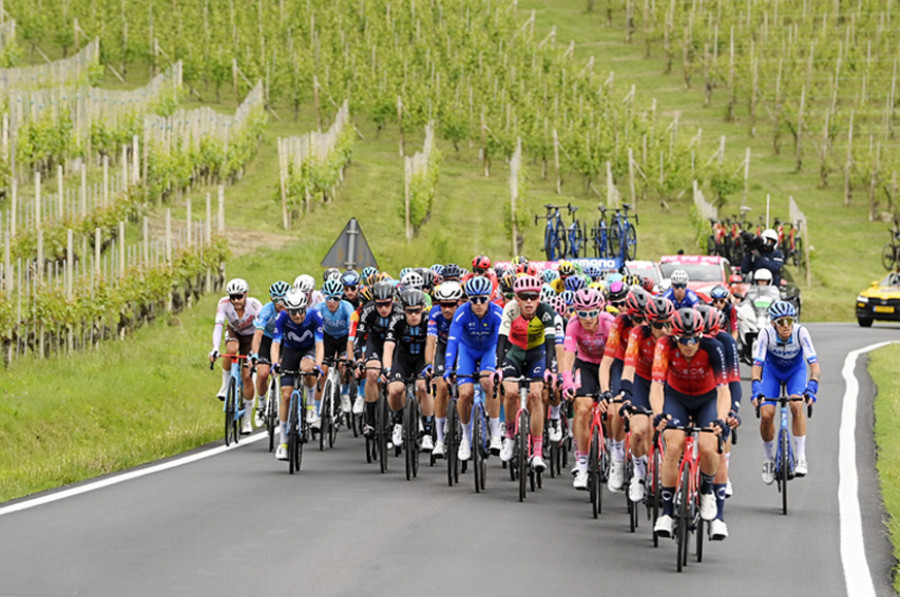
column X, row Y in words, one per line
column 237, row 523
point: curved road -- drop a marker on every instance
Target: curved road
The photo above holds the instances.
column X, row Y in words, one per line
column 237, row 523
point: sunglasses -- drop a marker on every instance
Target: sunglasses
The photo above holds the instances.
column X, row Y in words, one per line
column 688, row 340
column 383, row 303
column 479, row 300
column 588, row 314
column 638, row 317
column 235, row 297
column 333, row 297
column 414, row 311
column 350, row 288
column 528, row 296
column 784, row 321
column 296, row 312
column 679, row 286
column 721, row 300
column 448, row 305
column 660, row 325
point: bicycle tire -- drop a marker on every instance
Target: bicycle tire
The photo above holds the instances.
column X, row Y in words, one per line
column 577, row 247
column 631, row 506
column 699, row 537
column 522, row 452
column 681, row 519
column 554, row 455
column 334, row 415
column 630, row 242
column 785, row 472
column 889, row 256
column 799, row 255
column 324, row 414
column 293, row 436
column 381, row 431
column 230, row 411
column 562, row 242
column 411, row 438
column 612, row 237
column 656, row 492
column 452, row 443
column 272, row 413
column 302, row 425
column 477, row 456
column 594, row 473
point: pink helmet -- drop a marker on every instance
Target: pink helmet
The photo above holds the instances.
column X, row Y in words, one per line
column 587, row 299
column 559, row 305
column 527, row 284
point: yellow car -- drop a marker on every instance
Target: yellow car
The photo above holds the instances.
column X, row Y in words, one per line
column 881, row 300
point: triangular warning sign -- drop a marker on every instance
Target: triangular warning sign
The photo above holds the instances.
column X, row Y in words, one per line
column 350, row 250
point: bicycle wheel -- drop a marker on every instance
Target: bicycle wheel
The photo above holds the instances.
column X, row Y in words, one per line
column 293, row 436
column 681, row 518
column 594, row 473
column 655, row 491
column 562, row 242
column 577, row 247
column 272, row 412
column 303, row 428
column 632, row 506
column 230, row 401
column 334, row 414
column 549, row 243
column 477, row 454
column 699, row 534
column 325, row 415
column 785, row 466
column 522, row 452
column 554, row 458
column 612, row 236
column 381, row 430
column 630, row 242
column 452, row 444
column 411, row 437
column 888, row 255
column 799, row 257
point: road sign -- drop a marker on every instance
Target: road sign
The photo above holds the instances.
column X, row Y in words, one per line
column 350, row 250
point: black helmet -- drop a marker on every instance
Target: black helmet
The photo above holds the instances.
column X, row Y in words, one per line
column 382, row 291
column 412, row 298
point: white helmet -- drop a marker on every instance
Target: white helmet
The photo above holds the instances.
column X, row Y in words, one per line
column 762, row 274
column 769, row 235
column 679, row 276
column 448, row 291
column 237, row 286
column 304, row 283
column 295, row 299
column 413, row 281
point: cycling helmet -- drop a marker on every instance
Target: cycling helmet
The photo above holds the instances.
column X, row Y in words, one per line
column 448, row 291
column 648, row 284
column 632, row 279
column 762, row 274
column 679, row 276
column 769, row 235
column 659, row 308
column 350, row 278
column 479, row 286
column 366, row 294
column 369, row 271
column 719, row 292
column 614, row 277
column 331, row 272
column 616, row 291
column 713, row 320
column 279, row 289
column 703, row 310
column 636, row 301
column 519, row 260
column 333, row 288
column 558, row 304
column 412, row 298
column 405, row 271
column 592, row 271
column 526, row 284
column 452, row 272
column 304, row 283
column 482, row 262
column 565, row 269
column 587, row 299
column 382, row 277
column 568, row 296
column 427, row 278
column 382, row 291
column 549, row 275
column 547, row 293
column 437, row 268
column 780, row 309
column 413, row 280
column 687, row 322
column 506, row 283
column 574, row 283
column 237, row 286
column 295, row 299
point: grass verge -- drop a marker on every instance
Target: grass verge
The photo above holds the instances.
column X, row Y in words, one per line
column 886, row 375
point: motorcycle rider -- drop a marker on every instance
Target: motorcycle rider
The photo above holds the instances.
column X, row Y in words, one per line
column 764, row 253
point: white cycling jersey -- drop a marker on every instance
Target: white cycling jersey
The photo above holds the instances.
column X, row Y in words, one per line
column 784, row 355
column 242, row 326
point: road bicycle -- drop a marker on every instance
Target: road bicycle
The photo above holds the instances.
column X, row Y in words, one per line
column 524, row 444
column 598, row 457
column 600, row 234
column 298, row 427
column 575, row 236
column 376, row 447
column 890, row 255
column 273, row 399
column 479, row 426
column 233, row 406
column 411, row 433
column 554, row 232
column 332, row 417
column 622, row 234
column 785, row 462
column 559, row 451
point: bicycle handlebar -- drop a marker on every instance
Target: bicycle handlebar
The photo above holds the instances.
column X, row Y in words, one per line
column 784, row 399
column 212, row 363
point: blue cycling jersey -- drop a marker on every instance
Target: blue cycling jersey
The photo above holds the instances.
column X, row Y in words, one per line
column 265, row 321
column 783, row 356
column 476, row 334
column 337, row 324
column 690, row 298
column 298, row 337
column 438, row 325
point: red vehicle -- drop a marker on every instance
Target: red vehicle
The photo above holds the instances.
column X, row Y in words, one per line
column 704, row 271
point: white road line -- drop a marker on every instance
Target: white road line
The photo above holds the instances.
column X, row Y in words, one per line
column 116, row 479
column 853, row 554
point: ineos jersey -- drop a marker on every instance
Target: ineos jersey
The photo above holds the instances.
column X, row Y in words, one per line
column 696, row 376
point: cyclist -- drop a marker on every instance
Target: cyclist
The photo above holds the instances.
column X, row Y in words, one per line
column 721, row 300
column 299, row 330
column 236, row 313
column 404, row 357
column 375, row 319
column 481, row 266
column 611, row 367
column 586, row 336
column 783, row 351
column 565, row 270
column 452, row 273
column 635, row 385
column 689, row 384
column 680, row 295
column 307, row 284
column 351, row 281
column 447, row 297
column 472, row 348
column 526, row 348
column 264, row 326
column 336, row 315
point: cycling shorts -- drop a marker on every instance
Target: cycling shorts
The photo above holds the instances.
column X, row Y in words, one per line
column 290, row 361
column 440, row 355
column 335, row 347
column 245, row 343
column 265, row 351
column 588, row 376
column 532, row 365
column 374, row 348
column 795, row 380
column 702, row 409
column 640, row 391
column 470, row 362
column 615, row 376
column 406, row 365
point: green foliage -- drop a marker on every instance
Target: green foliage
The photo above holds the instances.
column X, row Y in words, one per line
column 724, row 181
column 46, row 142
column 422, row 186
column 318, row 178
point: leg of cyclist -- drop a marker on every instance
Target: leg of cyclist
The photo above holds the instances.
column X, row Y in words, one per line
column 426, row 403
column 511, row 408
column 464, row 409
column 770, row 387
column 708, row 444
column 290, row 359
column 796, row 385
column 396, row 401
column 584, row 406
column 616, row 431
column 492, row 404
column 537, row 407
column 372, row 360
column 441, row 396
column 641, row 437
column 262, row 379
column 674, row 444
column 307, row 365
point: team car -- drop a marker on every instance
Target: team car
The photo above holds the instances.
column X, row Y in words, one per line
column 880, row 301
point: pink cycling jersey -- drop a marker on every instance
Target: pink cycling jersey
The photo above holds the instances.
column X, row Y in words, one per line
column 588, row 346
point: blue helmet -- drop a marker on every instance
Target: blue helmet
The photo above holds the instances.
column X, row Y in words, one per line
column 332, row 288
column 593, row 271
column 549, row 275
column 369, row 271
column 718, row 292
column 452, row 271
column 574, row 283
column 438, row 269
column 405, row 271
column 350, row 278
column 568, row 296
column 279, row 289
column 478, row 286
column 781, row 309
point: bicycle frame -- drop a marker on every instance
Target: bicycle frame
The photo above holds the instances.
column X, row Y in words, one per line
column 785, row 462
column 233, row 405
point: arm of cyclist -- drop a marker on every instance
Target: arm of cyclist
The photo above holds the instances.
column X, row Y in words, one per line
column 217, row 332
column 568, row 376
column 387, row 358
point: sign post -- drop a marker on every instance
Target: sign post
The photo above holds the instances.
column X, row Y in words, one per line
column 350, row 250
